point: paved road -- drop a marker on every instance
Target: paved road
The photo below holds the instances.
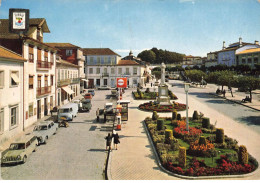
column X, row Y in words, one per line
column 76, row 152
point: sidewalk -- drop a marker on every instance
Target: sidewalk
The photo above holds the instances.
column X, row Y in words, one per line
column 4, row 146
column 135, row 159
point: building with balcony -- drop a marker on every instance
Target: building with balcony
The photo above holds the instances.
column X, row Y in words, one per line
column 11, row 94
column 104, row 66
column 74, row 55
column 249, row 57
column 191, row 61
column 212, row 59
column 39, row 70
column 68, row 81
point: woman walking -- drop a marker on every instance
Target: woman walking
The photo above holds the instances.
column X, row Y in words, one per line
column 116, row 140
column 109, row 140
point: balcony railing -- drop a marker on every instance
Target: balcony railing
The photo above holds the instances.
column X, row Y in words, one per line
column 75, row 80
column 105, row 75
column 63, row 82
column 43, row 90
column 43, row 64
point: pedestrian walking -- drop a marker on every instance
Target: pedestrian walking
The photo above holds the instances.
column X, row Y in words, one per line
column 224, row 93
column 97, row 113
column 151, row 84
column 116, row 140
column 108, row 141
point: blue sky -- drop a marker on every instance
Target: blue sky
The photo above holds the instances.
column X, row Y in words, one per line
column 193, row 27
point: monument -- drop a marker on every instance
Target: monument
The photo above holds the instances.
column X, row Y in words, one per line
column 163, row 98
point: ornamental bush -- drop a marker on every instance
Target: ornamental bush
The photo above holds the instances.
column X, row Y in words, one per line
column 174, row 115
column 220, row 137
column 182, row 157
column 168, row 136
column 160, row 124
column 178, row 116
column 195, row 115
column 202, row 141
column 205, row 123
column 155, row 115
column 141, row 95
column 174, row 144
column 243, row 155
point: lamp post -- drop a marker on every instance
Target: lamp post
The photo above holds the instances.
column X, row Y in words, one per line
column 186, row 89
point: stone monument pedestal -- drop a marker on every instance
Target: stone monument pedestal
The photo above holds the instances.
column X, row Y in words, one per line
column 163, row 98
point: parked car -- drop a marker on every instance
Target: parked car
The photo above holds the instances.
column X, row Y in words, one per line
column 79, row 103
column 103, row 88
column 92, row 92
column 86, row 105
column 88, row 96
column 20, row 150
column 44, row 131
column 69, row 111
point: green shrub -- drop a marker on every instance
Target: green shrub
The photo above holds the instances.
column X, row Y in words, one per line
column 174, row 144
column 174, row 115
column 141, row 95
column 138, row 91
column 182, row 157
column 202, row 140
column 178, row 116
column 160, row 124
column 243, row 155
column 155, row 115
column 195, row 115
column 168, row 136
column 220, row 138
column 205, row 123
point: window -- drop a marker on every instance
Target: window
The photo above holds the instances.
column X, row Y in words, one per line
column 243, row 60
column 52, row 79
column 14, row 116
column 112, row 70
column 98, row 60
column 127, row 71
column 46, row 59
column 91, row 60
column 134, row 81
column 31, row 57
column 249, row 60
column 119, row 70
column 30, row 109
column 113, row 60
column 90, row 70
column 98, row 71
column 105, row 70
column 256, row 60
column 1, row 79
column 135, row 71
column 105, row 60
column 14, row 78
column 1, row 120
column 68, row 52
column 30, row 82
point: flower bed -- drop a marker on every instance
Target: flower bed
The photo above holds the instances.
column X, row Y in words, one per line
column 151, row 106
column 205, row 156
column 151, row 95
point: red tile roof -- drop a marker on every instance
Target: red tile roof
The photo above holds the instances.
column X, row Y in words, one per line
column 127, row 62
column 98, row 51
column 62, row 45
column 5, row 53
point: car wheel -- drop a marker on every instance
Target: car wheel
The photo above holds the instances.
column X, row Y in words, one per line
column 24, row 158
column 46, row 139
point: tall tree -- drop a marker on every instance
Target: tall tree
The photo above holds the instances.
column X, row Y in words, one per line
column 248, row 84
column 147, row 55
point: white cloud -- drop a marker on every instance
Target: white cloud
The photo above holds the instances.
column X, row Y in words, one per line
column 185, row 1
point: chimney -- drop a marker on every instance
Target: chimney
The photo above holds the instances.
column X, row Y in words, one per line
column 223, row 45
column 240, row 42
column 256, row 42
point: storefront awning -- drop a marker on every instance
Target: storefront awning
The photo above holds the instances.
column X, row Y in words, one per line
column 84, row 80
column 68, row 90
column 15, row 78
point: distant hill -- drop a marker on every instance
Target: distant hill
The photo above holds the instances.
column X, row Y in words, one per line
column 155, row 56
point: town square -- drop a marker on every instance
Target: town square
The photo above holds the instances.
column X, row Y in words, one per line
column 129, row 90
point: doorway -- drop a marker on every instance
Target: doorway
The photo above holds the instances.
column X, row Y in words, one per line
column 45, row 107
column 38, row 109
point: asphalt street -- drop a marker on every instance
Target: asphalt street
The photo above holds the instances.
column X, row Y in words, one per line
column 74, row 153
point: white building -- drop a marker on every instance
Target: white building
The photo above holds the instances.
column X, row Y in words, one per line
column 39, row 70
column 103, row 66
column 68, row 85
column 11, row 94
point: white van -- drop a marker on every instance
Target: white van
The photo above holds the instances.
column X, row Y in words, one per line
column 69, row 111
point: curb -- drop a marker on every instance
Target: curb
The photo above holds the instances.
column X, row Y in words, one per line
column 234, row 101
column 189, row 177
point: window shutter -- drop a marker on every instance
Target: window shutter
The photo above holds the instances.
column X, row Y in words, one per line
column 30, row 80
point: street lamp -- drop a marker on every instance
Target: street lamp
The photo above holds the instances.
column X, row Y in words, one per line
column 186, row 89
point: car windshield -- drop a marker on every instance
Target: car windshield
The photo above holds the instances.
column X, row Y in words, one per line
column 90, row 91
column 40, row 127
column 66, row 110
column 17, row 146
